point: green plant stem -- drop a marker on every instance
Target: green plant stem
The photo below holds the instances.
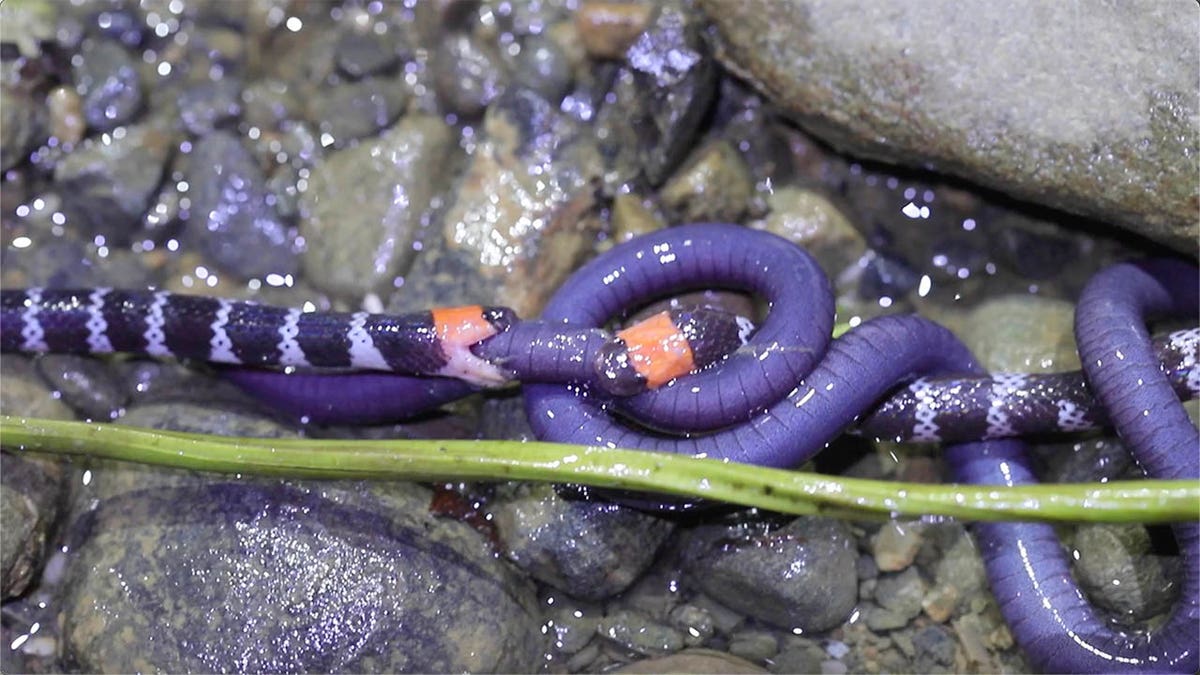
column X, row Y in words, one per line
column 771, row 489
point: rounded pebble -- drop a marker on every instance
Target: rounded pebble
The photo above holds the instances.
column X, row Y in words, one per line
column 107, row 79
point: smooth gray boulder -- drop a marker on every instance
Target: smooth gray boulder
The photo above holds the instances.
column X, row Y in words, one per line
column 1090, row 108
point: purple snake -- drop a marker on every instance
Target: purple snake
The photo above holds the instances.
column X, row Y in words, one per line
column 776, row 400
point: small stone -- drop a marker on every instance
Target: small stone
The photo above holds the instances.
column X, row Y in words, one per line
column 934, row 644
column 653, row 111
column 86, row 384
column 896, row 544
column 639, row 634
column 357, row 243
column 901, row 593
column 753, row 645
column 20, row 126
column 106, row 78
column 1116, row 570
column 1023, row 334
column 523, row 215
column 940, row 602
column 207, row 105
column 865, row 568
column 362, row 54
column 355, row 110
column 693, row 661
column 809, row 219
column 725, row 620
column 590, row 549
column 880, row 619
column 107, row 182
column 574, row 625
column 607, row 29
column 632, row 217
column 231, row 216
column 695, row 623
column 66, row 115
column 713, row 185
column 467, row 74
column 802, row 576
column 543, row 67
column 269, row 102
column 798, row 659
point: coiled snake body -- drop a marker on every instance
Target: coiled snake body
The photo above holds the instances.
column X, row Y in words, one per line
column 776, row 398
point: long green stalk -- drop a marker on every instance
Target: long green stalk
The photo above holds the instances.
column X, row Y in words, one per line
column 771, row 489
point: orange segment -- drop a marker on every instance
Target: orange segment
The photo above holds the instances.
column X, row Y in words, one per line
column 657, row 350
column 461, row 326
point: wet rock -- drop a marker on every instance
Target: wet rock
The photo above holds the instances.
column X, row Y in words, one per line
column 809, row 219
column 20, row 125
column 901, row 593
column 115, row 22
column 713, row 185
column 356, row 242
column 31, row 488
column 231, row 217
column 798, row 656
column 896, row 544
column 959, row 578
column 983, row 637
column 66, row 116
column 695, row 623
column 227, row 415
column 106, row 77
column 362, row 54
column 519, row 223
column 208, row 105
column 1036, row 249
column 182, row 578
column 574, row 623
column 801, row 576
column 88, row 385
column 934, row 646
column 170, row 383
column 631, row 217
column 693, row 661
column 355, row 110
column 27, row 24
column 607, row 29
column 884, row 275
column 881, row 619
column 61, row 263
column 268, row 102
column 107, row 182
column 1109, row 122
column 1022, row 334
column 543, row 67
column 591, row 550
column 753, row 645
column 1086, row 461
column 24, row 392
column 1115, row 569
column 31, row 492
column 468, row 74
column 659, row 100
column 639, row 634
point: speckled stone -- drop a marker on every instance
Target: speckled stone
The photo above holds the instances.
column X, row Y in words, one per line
column 590, row 549
column 356, row 242
column 1107, row 110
